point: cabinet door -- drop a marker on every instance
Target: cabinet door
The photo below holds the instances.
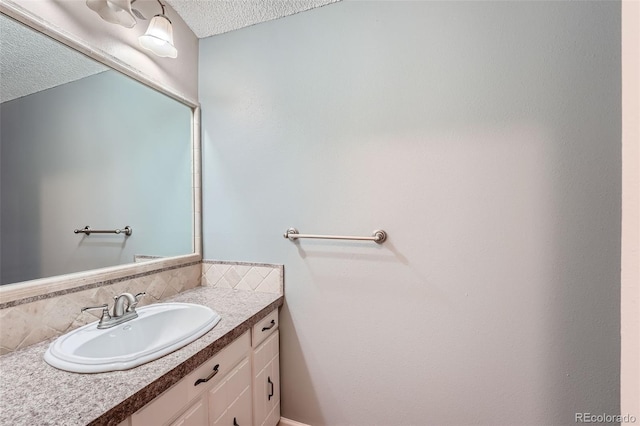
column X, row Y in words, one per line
column 266, row 383
column 231, row 398
column 274, row 416
column 239, row 413
column 273, row 395
column 196, row 415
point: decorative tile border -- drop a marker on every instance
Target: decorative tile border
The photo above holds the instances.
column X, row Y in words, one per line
column 259, row 277
column 17, row 302
column 31, row 322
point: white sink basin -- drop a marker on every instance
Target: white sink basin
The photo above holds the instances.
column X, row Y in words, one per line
column 159, row 329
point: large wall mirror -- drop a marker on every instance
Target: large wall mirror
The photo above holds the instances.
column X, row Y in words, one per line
column 84, row 145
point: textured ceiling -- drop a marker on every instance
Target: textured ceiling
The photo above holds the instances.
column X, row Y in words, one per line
column 26, row 59
column 211, row 17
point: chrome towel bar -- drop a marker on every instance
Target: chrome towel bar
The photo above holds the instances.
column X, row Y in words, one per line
column 88, row 231
column 379, row 236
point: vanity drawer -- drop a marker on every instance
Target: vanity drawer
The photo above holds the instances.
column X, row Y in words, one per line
column 226, row 360
column 264, row 328
column 171, row 402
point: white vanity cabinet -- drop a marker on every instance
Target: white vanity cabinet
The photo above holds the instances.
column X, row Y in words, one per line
column 265, row 340
column 210, row 395
column 239, row 386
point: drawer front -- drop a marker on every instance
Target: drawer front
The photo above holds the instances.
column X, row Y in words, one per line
column 226, row 360
column 171, row 402
column 264, row 328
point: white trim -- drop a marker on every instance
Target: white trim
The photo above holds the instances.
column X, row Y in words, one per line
column 288, row 422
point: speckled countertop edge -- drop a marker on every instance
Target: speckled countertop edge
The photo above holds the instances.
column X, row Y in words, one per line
column 32, row 392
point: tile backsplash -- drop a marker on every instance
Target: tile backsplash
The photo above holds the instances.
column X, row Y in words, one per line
column 29, row 323
column 260, row 277
column 32, row 321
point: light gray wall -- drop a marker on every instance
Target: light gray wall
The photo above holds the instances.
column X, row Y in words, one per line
column 104, row 151
column 484, row 137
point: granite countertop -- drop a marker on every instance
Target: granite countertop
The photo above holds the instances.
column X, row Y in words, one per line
column 33, row 392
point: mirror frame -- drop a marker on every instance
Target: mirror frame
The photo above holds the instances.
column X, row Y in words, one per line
column 42, row 288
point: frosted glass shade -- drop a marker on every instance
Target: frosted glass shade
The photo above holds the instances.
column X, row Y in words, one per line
column 114, row 11
column 159, row 37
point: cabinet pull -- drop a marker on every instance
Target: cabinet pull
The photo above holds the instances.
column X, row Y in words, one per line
column 235, row 423
column 273, row 324
column 271, row 391
column 209, row 377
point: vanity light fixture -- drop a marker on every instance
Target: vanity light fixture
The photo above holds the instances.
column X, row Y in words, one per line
column 114, row 11
column 159, row 36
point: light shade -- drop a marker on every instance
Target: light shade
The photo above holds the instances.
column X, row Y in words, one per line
column 114, row 11
column 159, row 37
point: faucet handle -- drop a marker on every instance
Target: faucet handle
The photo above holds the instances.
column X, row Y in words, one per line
column 105, row 311
column 137, row 298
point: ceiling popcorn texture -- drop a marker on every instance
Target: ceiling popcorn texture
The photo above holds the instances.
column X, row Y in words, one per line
column 26, row 51
column 211, row 17
column 27, row 58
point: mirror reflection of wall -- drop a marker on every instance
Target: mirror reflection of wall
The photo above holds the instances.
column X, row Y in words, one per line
column 84, row 145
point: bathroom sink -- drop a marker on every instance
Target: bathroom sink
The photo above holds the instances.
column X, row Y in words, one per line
column 159, row 329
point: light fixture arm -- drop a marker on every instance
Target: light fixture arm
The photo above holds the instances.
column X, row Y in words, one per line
column 162, row 6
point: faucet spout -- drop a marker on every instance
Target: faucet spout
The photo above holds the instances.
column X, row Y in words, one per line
column 118, row 307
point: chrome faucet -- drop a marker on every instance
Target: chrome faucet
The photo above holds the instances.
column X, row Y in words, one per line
column 120, row 314
column 118, row 306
